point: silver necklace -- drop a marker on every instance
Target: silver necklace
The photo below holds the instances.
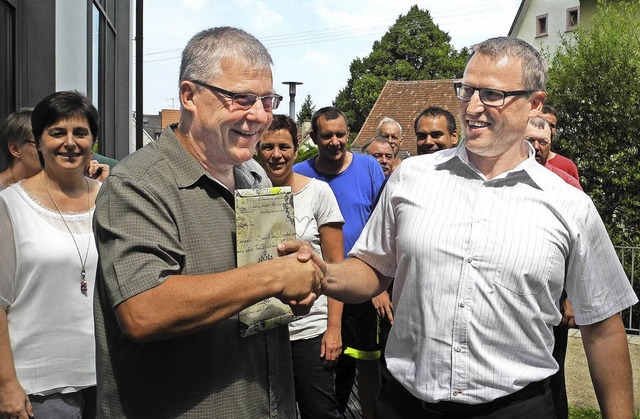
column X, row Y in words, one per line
column 83, row 263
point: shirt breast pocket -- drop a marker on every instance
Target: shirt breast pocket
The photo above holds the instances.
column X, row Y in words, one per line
column 528, row 272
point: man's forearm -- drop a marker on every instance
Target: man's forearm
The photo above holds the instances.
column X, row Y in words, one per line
column 184, row 305
column 353, row 281
column 607, row 351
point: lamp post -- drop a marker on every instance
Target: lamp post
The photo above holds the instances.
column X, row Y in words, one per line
column 292, row 97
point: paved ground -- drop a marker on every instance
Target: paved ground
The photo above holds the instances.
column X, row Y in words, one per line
column 579, row 388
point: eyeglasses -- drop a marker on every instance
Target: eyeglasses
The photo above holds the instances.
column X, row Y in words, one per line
column 490, row 97
column 541, row 143
column 244, row 100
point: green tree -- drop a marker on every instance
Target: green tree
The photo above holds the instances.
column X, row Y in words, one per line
column 306, row 110
column 593, row 84
column 305, row 152
column 414, row 48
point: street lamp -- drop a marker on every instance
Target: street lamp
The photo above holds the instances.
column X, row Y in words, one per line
column 292, row 97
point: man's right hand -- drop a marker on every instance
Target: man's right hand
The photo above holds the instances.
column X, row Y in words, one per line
column 14, row 402
column 301, row 282
column 304, row 254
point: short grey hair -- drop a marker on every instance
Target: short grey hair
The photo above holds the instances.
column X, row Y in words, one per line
column 202, row 57
column 374, row 140
column 384, row 121
column 534, row 67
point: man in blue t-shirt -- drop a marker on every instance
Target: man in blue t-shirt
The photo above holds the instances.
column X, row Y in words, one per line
column 356, row 180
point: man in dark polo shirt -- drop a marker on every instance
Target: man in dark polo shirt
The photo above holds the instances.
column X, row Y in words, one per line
column 168, row 290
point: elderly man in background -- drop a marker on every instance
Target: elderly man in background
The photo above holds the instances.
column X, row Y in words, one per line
column 538, row 134
column 391, row 130
column 168, row 290
column 381, row 150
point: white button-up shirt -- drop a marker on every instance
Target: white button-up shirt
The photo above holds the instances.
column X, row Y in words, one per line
column 479, row 267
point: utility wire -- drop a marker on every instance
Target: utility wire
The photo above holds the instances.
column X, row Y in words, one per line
column 340, row 33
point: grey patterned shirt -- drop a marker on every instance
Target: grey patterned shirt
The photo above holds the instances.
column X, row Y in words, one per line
column 160, row 214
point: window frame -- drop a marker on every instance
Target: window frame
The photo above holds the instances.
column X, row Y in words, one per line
column 569, row 21
column 540, row 20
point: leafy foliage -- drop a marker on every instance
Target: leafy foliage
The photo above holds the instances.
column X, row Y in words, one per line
column 414, row 48
column 306, row 110
column 305, row 152
column 593, row 84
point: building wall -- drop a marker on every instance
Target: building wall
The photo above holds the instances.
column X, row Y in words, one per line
column 82, row 45
column 556, row 11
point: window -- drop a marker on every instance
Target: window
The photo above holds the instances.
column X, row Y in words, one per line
column 8, row 50
column 573, row 17
column 109, row 73
column 541, row 25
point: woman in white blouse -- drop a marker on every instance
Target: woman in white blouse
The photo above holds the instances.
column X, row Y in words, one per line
column 48, row 262
column 316, row 339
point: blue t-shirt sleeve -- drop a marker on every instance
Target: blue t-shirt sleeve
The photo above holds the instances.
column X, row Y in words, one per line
column 377, row 180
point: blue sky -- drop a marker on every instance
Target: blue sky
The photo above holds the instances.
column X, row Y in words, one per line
column 311, row 41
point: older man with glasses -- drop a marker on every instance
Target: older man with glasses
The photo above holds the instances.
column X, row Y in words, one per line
column 168, row 291
column 391, row 130
column 539, row 134
column 480, row 258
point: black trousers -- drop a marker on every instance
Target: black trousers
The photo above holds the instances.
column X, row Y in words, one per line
column 557, row 381
column 314, row 381
column 395, row 402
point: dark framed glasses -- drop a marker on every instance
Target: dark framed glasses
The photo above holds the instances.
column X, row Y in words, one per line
column 490, row 97
column 244, row 101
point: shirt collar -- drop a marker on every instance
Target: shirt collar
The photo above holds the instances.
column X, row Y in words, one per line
column 187, row 170
column 527, row 171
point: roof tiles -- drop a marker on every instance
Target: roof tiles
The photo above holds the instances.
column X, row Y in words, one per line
column 403, row 101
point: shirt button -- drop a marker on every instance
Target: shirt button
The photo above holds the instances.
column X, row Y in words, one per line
column 461, row 305
column 458, row 348
column 456, row 392
column 469, row 259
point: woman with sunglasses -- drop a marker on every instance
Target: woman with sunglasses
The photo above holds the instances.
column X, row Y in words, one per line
column 316, row 339
column 48, row 262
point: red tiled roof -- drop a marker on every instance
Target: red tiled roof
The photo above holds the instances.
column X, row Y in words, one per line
column 403, row 101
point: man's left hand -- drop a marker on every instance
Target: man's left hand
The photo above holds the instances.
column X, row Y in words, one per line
column 568, row 319
column 331, row 344
column 384, row 307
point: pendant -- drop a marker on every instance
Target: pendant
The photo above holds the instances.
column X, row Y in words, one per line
column 83, row 282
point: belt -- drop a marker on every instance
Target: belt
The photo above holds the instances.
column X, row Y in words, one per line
column 461, row 409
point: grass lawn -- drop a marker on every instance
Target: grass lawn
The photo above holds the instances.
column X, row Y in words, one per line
column 590, row 413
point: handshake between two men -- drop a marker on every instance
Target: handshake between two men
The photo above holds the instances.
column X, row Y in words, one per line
column 309, row 277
